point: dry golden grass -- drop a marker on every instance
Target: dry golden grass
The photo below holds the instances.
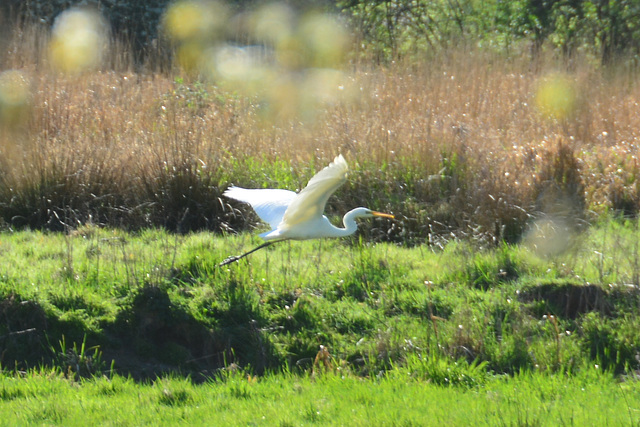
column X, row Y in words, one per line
column 469, row 141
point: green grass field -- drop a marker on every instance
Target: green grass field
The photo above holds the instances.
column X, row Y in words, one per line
column 140, row 328
column 592, row 398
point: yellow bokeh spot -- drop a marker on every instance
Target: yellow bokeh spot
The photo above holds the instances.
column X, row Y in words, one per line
column 556, row 96
column 78, row 40
column 324, row 85
column 189, row 56
column 282, row 99
column 15, row 97
column 289, row 65
column 291, row 53
column 194, row 20
column 273, row 23
column 548, row 237
column 243, row 68
column 326, row 38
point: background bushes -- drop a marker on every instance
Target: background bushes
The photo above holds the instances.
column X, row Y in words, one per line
column 391, row 28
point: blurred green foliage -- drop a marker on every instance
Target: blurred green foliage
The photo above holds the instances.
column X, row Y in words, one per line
column 388, row 28
column 605, row 29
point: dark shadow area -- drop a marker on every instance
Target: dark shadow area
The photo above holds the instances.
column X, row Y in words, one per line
column 567, row 300
column 150, row 337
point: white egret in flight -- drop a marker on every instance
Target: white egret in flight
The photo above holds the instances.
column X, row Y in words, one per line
column 300, row 216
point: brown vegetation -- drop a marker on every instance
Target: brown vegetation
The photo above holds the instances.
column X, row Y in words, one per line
column 467, row 142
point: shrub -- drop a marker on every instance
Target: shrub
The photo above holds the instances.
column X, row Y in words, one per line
column 612, row 343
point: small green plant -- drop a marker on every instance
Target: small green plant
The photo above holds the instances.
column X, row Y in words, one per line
column 174, row 393
column 439, row 369
column 78, row 362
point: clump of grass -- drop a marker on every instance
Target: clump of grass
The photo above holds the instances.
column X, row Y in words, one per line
column 612, row 343
column 174, row 393
column 443, row 371
column 78, row 362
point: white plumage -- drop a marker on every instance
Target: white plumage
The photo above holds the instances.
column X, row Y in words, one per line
column 300, row 216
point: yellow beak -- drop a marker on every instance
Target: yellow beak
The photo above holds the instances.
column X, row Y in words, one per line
column 384, row 215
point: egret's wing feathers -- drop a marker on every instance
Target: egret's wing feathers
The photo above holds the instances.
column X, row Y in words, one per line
column 310, row 202
column 269, row 204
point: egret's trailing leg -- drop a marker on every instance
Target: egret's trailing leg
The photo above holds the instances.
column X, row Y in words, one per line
column 239, row 257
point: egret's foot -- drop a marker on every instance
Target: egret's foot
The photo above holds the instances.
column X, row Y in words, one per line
column 239, row 257
column 229, row 260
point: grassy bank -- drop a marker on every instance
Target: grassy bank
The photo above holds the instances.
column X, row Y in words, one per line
column 151, row 303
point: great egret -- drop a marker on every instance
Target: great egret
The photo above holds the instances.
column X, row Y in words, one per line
column 300, row 216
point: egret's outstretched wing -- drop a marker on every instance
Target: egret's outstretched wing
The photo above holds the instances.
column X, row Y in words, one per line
column 269, row 204
column 310, row 202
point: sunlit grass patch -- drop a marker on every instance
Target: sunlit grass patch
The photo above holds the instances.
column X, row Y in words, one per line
column 594, row 395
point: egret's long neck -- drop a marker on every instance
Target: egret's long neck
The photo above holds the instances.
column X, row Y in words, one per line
column 349, row 221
